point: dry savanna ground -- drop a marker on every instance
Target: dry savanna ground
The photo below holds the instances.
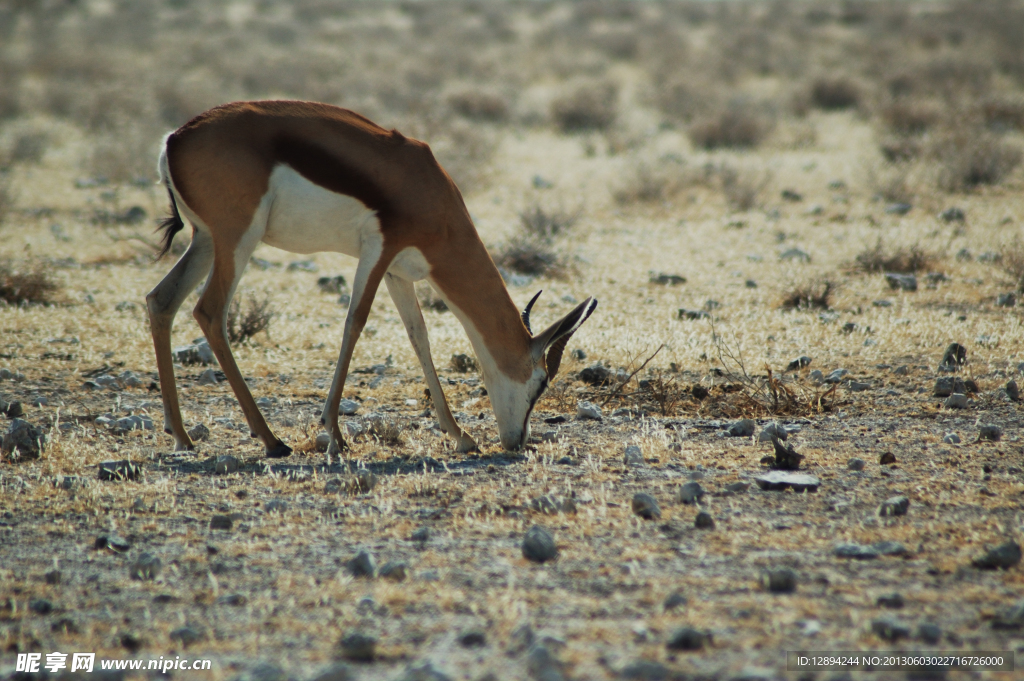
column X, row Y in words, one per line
column 732, row 181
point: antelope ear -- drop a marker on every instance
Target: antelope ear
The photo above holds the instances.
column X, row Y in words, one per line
column 553, row 339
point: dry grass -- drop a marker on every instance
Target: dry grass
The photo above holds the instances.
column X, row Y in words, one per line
column 815, row 295
column 242, row 324
column 835, row 94
column 32, row 286
column 591, row 105
column 902, row 260
column 970, row 158
column 740, row 125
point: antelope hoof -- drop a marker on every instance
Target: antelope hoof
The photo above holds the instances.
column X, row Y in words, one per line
column 336, row 447
column 466, row 443
column 186, row 446
column 279, row 451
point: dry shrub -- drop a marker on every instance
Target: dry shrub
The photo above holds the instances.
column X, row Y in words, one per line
column 29, row 147
column 1002, row 113
column 902, row 260
column 7, row 197
column 900, row 149
column 740, row 125
column 32, row 287
column 531, row 256
column 1012, row 262
column 834, row 94
column 970, row 157
column 743, row 188
column 815, row 295
column 892, row 185
column 910, row 116
column 479, row 105
column 547, row 224
column 643, row 185
column 244, row 325
column 587, row 106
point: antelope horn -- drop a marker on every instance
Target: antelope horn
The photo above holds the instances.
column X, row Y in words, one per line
column 526, row 312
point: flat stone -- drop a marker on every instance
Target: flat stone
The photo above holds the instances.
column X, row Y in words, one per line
column 854, row 551
column 1010, row 619
column 348, row 407
column 473, row 639
column 588, row 410
column 742, row 428
column 990, row 433
column 893, row 600
column 394, row 570
column 208, row 377
column 780, row 480
column 894, row 506
column 633, row 456
column 221, row 522
column 903, row 282
column 119, row 470
column 889, row 548
column 674, row 600
column 1001, row 557
column 929, row 633
column 836, row 376
column 889, row 629
column 645, row 670
column 856, row 464
column 773, row 429
column 424, row 671
column 951, row 439
column 956, row 401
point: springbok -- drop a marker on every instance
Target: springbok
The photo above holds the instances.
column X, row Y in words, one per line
column 308, row 177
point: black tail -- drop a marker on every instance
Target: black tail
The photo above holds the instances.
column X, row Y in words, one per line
column 170, row 225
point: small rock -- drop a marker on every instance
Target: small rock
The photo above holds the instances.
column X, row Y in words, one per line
column 890, row 549
column 742, row 428
column 119, row 470
column 955, row 401
column 139, row 505
column 790, row 195
column 886, row 459
column 816, row 377
column 276, row 506
column 358, row 647
column 929, row 633
column 903, row 282
column 704, row 521
column 23, row 440
column 952, row 214
column 146, row 567
column 199, row 352
column 40, row 606
column 520, row 640
column 422, row 535
column 894, row 506
column 187, row 635
column 737, row 487
column 588, row 410
column 542, row 665
column 645, row 670
column 857, row 386
column 990, row 433
column 799, row 363
column 423, row 672
column 1006, row 300
column 646, row 506
column 112, row 542
column 781, row 480
column 596, row 375
column 898, row 208
column 773, row 429
column 951, row 439
column 225, row 464
column 336, row 672
column 221, row 522
column 948, row 385
column 786, row 457
column 348, row 407
column 363, row 481
column 953, row 358
column 335, row 284
column 473, row 639
column 633, row 456
column 302, row 266
column 881, row 303
column 233, row 600
column 322, row 442
column 889, row 629
column 836, row 376
column 463, row 363
column 363, row 565
column 1012, row 618
column 208, row 377
column 854, row 551
column 1001, row 557
column 674, row 600
column 552, row 505
column 688, row 638
column 779, row 580
column 893, row 600
column 855, row 464
column 1012, row 391
column 795, row 254
column 52, row 577
column 691, row 493
column 692, row 315
column 394, row 570
column 667, row 279
column 901, row 370
column 539, row 545
column 199, row 433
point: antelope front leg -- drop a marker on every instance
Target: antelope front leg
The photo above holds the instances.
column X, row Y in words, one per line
column 404, row 295
column 369, row 272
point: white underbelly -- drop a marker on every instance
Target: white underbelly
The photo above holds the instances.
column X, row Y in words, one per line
column 306, row 218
